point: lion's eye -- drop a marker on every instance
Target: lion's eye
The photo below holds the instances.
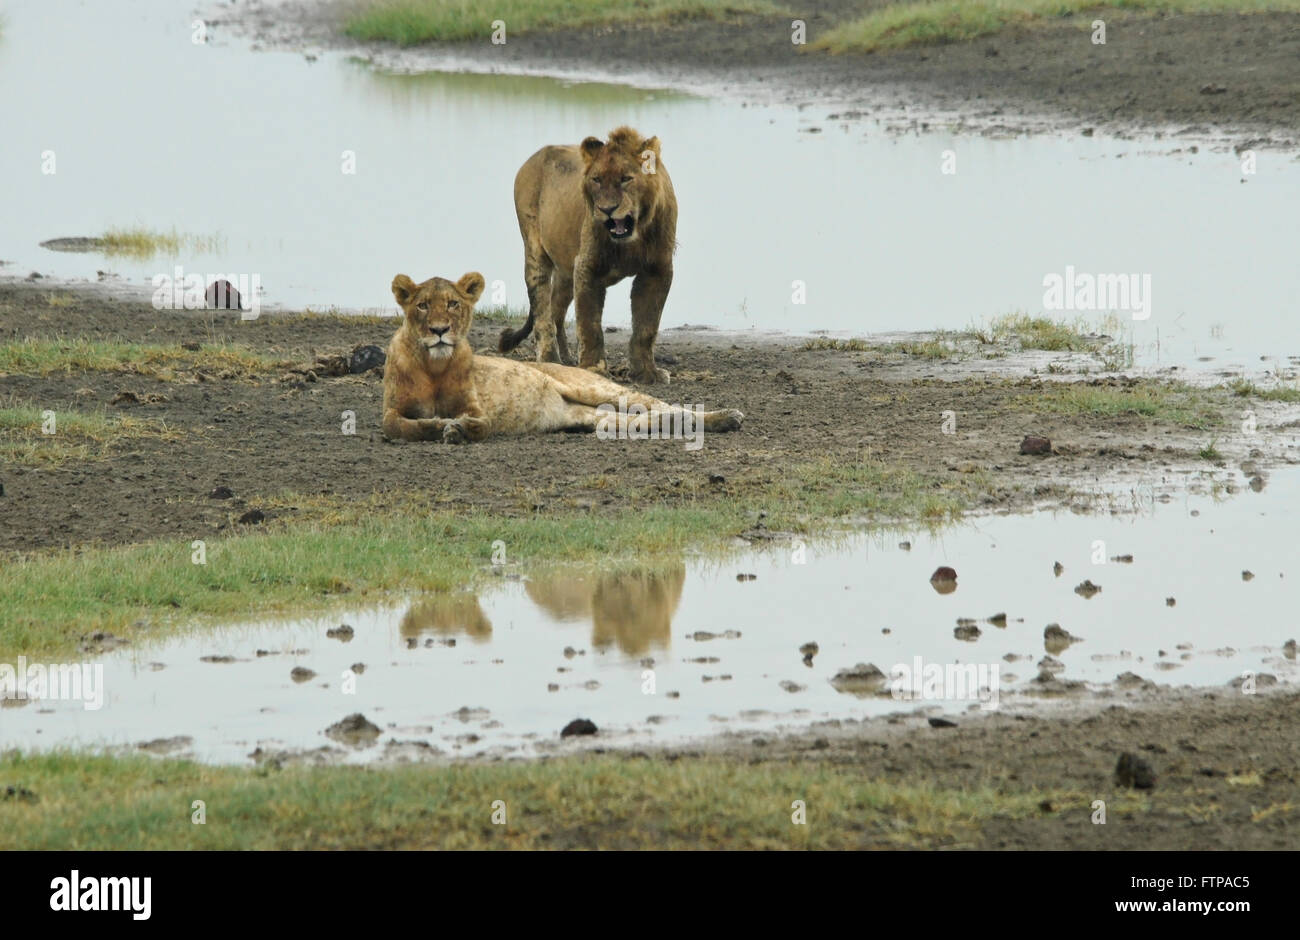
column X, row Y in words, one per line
column 626, row 179
column 597, row 180
column 422, row 305
column 453, row 304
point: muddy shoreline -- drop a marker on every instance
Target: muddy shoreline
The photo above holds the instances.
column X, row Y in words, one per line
column 266, row 435
column 1230, row 80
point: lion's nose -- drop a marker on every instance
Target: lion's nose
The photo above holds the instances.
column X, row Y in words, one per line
column 438, row 330
column 609, row 211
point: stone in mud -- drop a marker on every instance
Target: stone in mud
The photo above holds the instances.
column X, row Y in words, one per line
column 789, row 686
column 101, row 642
column 905, row 546
column 1131, row 680
column 1134, row 772
column 967, row 632
column 365, row 358
column 221, row 492
column 998, row 620
column 166, row 745
column 746, row 577
column 944, row 580
column 1289, row 649
column 222, row 295
column 863, row 679
column 1248, row 576
column 358, row 668
column 1170, row 602
column 1034, row 445
column 1087, row 589
column 343, row 632
column 301, row 674
column 2, row 489
column 702, row 635
column 941, row 723
column 1057, row 568
column 252, row 517
column 1262, row 680
column 809, row 649
column 580, row 726
column 354, row 730
column 1056, row 639
column 1051, row 665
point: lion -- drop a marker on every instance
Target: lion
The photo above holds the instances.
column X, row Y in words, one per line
column 436, row 388
column 590, row 216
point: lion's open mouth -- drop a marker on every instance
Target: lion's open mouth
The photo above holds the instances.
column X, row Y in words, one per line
column 620, row 228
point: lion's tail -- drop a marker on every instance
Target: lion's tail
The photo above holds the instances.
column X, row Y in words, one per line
column 512, row 338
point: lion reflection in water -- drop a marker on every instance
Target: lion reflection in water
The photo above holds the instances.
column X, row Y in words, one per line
column 448, row 615
column 632, row 610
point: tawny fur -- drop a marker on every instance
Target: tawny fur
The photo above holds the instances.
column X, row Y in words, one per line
column 567, row 199
column 436, row 388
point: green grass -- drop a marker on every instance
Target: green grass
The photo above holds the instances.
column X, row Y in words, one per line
column 1169, row 403
column 77, row 435
column 1210, row 452
column 926, row 23
column 141, row 244
column 571, row 802
column 1038, row 333
column 407, row 22
column 31, row 356
column 1246, row 389
column 358, row 549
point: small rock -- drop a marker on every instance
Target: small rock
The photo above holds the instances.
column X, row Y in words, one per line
column 222, row 295
column 810, row 649
column 862, row 679
column 998, row 620
column 354, row 730
column 302, row 674
column 1134, row 772
column 342, row 632
column 578, row 726
column 789, row 686
column 1247, row 576
column 967, row 632
column 21, row 794
column 1035, row 445
column 1170, row 602
column 365, row 358
column 1087, row 589
column 221, row 492
column 252, row 517
column 1057, row 568
column 358, row 668
column 941, row 723
column 1056, row 639
column 746, row 577
column 1289, row 649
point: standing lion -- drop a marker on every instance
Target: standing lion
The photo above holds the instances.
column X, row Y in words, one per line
column 590, row 216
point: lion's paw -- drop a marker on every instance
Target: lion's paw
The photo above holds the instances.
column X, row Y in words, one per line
column 453, row 433
column 730, row 420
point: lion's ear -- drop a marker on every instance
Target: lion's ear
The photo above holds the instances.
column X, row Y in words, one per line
column 403, row 288
column 590, row 148
column 651, row 144
column 471, row 285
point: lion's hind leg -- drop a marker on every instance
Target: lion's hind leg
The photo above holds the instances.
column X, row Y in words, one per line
column 582, row 387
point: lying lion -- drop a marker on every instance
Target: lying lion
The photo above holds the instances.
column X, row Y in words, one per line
column 435, row 388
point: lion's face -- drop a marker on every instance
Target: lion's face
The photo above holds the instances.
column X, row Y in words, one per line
column 438, row 311
column 619, row 182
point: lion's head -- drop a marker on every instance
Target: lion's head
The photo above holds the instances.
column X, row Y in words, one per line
column 439, row 312
column 621, row 183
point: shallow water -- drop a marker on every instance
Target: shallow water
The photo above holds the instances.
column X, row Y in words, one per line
column 148, row 128
column 510, row 640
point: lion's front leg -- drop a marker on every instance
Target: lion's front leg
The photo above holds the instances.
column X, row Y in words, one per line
column 649, row 291
column 590, row 307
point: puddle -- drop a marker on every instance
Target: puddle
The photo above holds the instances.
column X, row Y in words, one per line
column 469, row 674
column 248, row 146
